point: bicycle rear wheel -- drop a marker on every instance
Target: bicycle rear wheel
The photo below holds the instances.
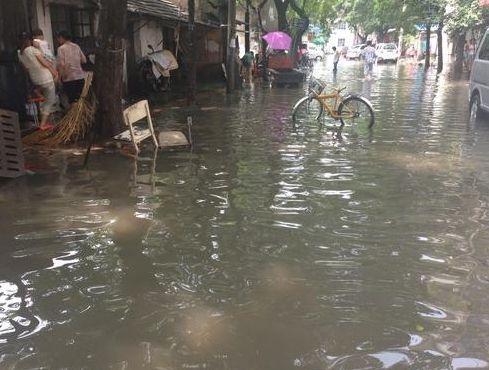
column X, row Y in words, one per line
column 356, row 111
column 307, row 109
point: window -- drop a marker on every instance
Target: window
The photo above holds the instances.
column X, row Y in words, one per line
column 484, row 50
column 60, row 18
column 81, row 23
column 76, row 21
column 342, row 26
column 341, row 42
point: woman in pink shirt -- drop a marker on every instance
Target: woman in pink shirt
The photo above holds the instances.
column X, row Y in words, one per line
column 70, row 60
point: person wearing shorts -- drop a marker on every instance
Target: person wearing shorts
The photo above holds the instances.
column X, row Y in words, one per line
column 70, row 60
column 42, row 75
column 369, row 58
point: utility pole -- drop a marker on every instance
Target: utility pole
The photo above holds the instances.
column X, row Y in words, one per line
column 247, row 27
column 231, row 47
column 191, row 57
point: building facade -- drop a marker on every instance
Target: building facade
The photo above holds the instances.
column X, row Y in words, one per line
column 153, row 24
column 342, row 36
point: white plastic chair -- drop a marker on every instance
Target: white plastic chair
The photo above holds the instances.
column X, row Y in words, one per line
column 136, row 133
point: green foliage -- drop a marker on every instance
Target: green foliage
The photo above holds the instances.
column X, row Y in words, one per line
column 380, row 16
column 463, row 15
column 369, row 16
column 321, row 12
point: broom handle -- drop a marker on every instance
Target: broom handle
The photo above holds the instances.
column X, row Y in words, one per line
column 86, row 87
column 89, row 149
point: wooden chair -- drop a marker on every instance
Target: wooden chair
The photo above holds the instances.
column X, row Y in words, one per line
column 135, row 132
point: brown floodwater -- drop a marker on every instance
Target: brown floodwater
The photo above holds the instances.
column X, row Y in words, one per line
column 269, row 246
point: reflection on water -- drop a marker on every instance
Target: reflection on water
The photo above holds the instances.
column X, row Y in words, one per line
column 270, row 246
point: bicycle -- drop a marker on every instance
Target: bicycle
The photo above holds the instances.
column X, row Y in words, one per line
column 350, row 109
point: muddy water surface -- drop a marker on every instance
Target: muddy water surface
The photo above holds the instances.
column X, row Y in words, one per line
column 268, row 247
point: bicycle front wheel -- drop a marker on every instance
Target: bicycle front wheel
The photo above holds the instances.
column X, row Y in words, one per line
column 307, row 109
column 356, row 111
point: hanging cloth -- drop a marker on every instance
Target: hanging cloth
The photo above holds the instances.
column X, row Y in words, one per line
column 163, row 62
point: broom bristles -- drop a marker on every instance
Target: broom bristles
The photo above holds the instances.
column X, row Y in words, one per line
column 74, row 125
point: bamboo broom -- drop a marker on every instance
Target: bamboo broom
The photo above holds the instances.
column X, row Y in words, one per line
column 74, row 125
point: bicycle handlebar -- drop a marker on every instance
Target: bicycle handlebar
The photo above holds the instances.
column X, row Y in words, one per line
column 323, row 84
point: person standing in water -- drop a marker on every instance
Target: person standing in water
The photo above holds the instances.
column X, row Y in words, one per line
column 336, row 59
column 42, row 74
column 369, row 58
column 471, row 51
column 247, row 66
column 70, row 60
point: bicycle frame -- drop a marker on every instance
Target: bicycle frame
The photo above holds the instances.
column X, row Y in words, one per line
column 332, row 111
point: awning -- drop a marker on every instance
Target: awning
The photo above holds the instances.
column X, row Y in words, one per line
column 162, row 9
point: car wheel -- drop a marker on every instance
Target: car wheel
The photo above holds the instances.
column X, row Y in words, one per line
column 475, row 106
column 318, row 58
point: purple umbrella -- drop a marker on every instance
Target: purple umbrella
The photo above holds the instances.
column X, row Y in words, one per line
column 278, row 40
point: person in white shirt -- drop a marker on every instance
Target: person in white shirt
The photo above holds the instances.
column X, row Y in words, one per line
column 369, row 56
column 43, row 45
column 70, row 60
column 336, row 58
column 42, row 75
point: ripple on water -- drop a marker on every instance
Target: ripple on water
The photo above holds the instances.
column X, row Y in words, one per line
column 15, row 320
column 268, row 247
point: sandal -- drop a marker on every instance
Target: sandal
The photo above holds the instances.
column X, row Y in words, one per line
column 47, row 126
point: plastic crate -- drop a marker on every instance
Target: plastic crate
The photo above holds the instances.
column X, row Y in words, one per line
column 11, row 157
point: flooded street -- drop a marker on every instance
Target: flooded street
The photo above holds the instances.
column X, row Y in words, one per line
column 270, row 246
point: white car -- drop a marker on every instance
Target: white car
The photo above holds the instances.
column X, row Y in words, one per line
column 387, row 53
column 479, row 79
column 354, row 52
column 315, row 52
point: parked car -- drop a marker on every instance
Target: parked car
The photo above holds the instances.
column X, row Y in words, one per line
column 315, row 52
column 479, row 79
column 387, row 53
column 354, row 52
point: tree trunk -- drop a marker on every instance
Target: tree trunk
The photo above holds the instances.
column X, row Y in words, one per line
column 440, row 47
column 231, row 47
column 380, row 36
column 427, row 60
column 363, row 38
column 262, row 30
column 192, row 75
column 282, row 7
column 109, row 66
column 300, row 28
column 459, row 52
